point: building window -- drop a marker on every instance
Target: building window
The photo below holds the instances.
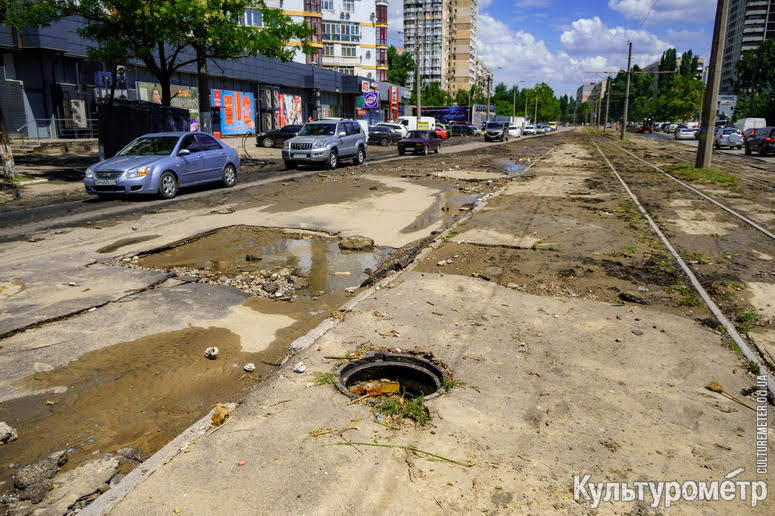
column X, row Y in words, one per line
column 312, row 6
column 328, row 5
column 251, row 18
column 381, row 35
column 382, row 56
column 348, row 6
column 381, row 13
column 328, row 50
column 382, row 75
column 348, row 50
column 314, row 59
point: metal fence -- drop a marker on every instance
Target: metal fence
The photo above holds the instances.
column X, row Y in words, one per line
column 63, row 128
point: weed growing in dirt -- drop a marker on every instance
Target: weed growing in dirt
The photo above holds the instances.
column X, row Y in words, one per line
column 631, row 215
column 686, row 296
column 450, row 383
column 452, row 234
column 699, row 257
column 323, row 379
column 409, row 408
column 630, row 251
column 752, row 367
column 746, row 320
column 731, row 344
column 705, row 175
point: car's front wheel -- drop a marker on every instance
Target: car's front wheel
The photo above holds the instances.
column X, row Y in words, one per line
column 425, row 150
column 437, row 149
column 290, row 165
column 333, row 160
column 747, row 150
column 267, row 142
column 360, row 156
column 384, row 142
column 229, row 178
column 168, row 185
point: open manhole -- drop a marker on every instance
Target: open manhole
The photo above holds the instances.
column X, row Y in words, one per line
column 415, row 376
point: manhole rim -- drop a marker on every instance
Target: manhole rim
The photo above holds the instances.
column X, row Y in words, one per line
column 399, row 359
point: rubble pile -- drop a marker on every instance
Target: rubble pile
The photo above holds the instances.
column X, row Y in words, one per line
column 277, row 283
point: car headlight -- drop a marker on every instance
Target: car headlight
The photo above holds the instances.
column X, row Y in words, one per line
column 138, row 172
column 287, row 144
column 319, row 144
column 89, row 172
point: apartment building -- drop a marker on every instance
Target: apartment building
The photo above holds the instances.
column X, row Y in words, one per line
column 584, row 92
column 700, row 70
column 441, row 35
column 351, row 34
column 750, row 23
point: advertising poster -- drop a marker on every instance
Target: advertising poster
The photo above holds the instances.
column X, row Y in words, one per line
column 237, row 112
column 288, row 110
column 185, row 97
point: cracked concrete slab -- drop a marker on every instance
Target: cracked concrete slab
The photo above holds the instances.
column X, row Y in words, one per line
column 541, row 401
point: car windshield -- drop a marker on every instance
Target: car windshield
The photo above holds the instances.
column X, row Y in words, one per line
column 150, row 146
column 416, row 134
column 494, row 125
column 318, row 130
column 730, row 131
column 530, row 127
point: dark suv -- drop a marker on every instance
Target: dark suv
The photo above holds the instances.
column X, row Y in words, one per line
column 762, row 141
column 496, row 131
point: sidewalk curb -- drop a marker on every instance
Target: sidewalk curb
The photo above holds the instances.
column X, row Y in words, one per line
column 106, row 502
column 23, row 183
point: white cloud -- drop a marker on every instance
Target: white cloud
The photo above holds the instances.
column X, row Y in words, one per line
column 395, row 23
column 518, row 56
column 588, row 36
column 655, row 11
column 532, row 3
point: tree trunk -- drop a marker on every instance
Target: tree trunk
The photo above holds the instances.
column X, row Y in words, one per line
column 6, row 154
column 205, row 117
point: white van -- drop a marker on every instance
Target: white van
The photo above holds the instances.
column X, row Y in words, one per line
column 750, row 123
column 427, row 123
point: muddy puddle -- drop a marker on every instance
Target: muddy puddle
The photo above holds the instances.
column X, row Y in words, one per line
column 510, row 166
column 118, row 244
column 447, row 205
column 245, row 251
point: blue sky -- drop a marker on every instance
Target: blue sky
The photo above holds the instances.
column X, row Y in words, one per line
column 558, row 41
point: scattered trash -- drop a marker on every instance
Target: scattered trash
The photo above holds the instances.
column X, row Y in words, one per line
column 375, row 387
column 637, row 332
column 241, row 463
column 717, row 387
column 249, row 367
column 7, row 433
column 212, row 353
column 72, row 284
column 299, row 367
column 221, row 414
column 391, row 333
column 441, row 263
column 342, row 273
column 642, row 289
column 252, row 258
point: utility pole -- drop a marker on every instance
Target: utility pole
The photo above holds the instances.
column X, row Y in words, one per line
column 599, row 105
column 607, row 101
column 708, row 120
column 514, row 104
column 536, row 111
column 627, row 92
column 489, row 90
column 417, row 81
column 526, row 95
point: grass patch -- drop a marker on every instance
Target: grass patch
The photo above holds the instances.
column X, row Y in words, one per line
column 731, row 344
column 631, row 215
column 746, row 320
column 630, row 251
column 450, row 383
column 323, row 379
column 753, row 367
column 452, row 234
column 405, row 408
column 686, row 295
column 705, row 175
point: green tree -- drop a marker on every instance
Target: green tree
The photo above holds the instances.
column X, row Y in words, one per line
column 668, row 63
column 399, row 66
column 756, row 69
column 684, row 99
column 689, row 63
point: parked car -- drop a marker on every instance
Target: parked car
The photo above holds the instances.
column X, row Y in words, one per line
column 530, row 129
column 441, row 131
column 542, row 129
column 728, row 137
column 684, row 133
column 162, row 163
column 462, row 129
column 383, row 135
column 326, row 143
column 420, row 142
column 276, row 137
column 398, row 127
column 514, row 131
column 751, row 133
column 762, row 142
column 496, row 131
column 552, row 126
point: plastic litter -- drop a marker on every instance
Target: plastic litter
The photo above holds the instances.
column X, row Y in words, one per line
column 212, row 353
column 249, row 367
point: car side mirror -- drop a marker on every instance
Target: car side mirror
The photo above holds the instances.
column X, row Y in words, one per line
column 342, row 133
column 184, row 152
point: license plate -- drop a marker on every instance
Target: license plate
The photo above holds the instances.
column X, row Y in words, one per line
column 299, row 156
column 104, row 182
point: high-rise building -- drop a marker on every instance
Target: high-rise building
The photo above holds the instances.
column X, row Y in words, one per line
column 700, row 71
column 441, row 34
column 750, row 23
column 584, row 92
column 351, row 34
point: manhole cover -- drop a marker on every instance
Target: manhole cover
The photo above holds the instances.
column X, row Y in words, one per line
column 415, row 376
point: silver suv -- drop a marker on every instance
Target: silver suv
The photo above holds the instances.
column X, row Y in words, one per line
column 326, row 142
